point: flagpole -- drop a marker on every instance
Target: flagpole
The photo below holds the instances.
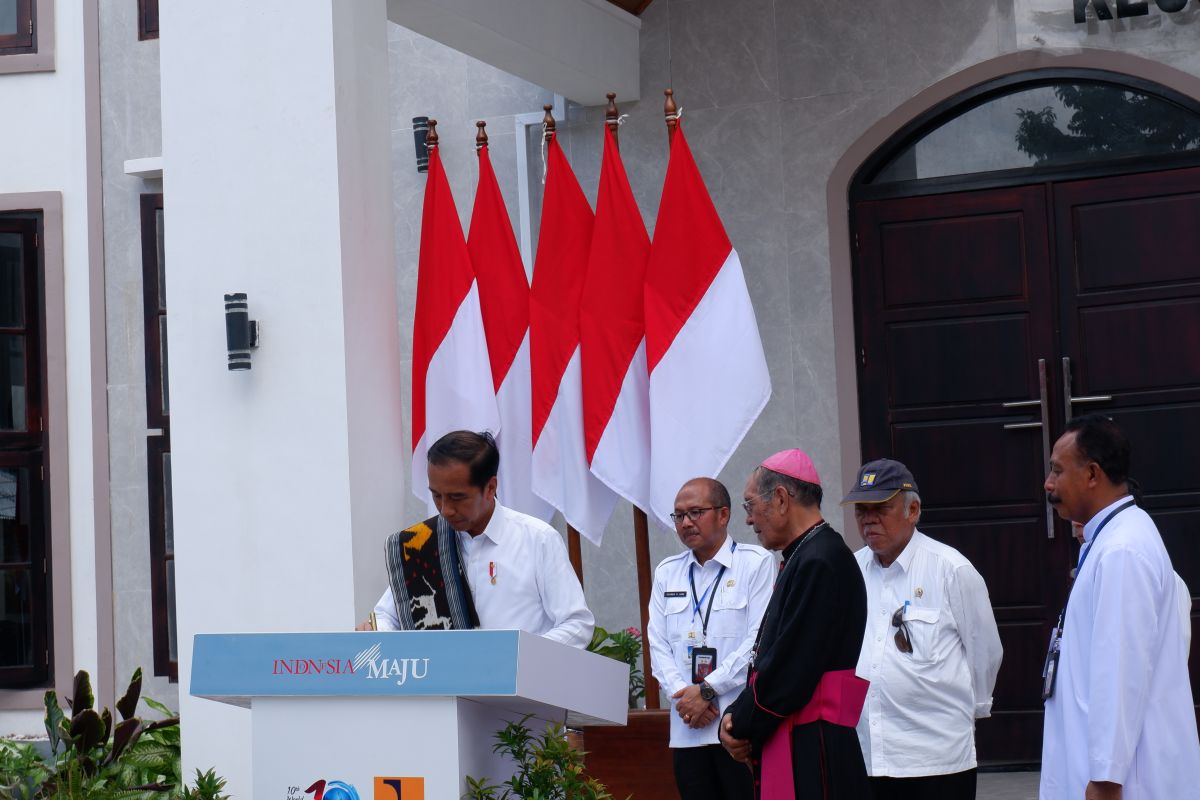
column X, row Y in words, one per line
column 641, row 526
column 671, row 112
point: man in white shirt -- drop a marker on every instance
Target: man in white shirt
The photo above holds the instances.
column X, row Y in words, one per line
column 705, row 610
column 1120, row 720
column 931, row 649
column 1183, row 594
column 515, row 565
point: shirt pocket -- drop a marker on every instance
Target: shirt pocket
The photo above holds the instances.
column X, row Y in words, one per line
column 677, row 611
column 922, row 632
column 729, row 614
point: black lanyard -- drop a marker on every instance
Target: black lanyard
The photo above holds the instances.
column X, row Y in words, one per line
column 696, row 601
column 1086, row 551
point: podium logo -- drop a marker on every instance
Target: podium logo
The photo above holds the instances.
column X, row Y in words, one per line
column 399, row 668
column 324, row 790
column 399, row 789
column 312, row 666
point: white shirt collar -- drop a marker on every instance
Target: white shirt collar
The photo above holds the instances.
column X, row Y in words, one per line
column 1089, row 530
column 723, row 556
column 906, row 555
column 495, row 529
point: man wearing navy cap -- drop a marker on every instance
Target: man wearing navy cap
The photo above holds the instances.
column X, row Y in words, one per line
column 931, row 649
column 794, row 722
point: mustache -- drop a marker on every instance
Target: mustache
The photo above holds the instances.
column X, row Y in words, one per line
column 1053, row 499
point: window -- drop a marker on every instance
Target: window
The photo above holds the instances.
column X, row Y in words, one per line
column 147, row 19
column 24, row 600
column 18, row 27
column 1073, row 121
column 158, row 441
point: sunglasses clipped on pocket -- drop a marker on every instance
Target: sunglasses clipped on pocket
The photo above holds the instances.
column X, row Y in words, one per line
column 903, row 638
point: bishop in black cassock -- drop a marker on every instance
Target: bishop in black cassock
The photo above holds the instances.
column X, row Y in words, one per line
column 802, row 699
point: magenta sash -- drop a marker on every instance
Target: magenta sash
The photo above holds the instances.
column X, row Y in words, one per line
column 838, row 699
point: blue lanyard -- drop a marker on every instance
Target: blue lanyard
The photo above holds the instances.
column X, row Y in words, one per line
column 1083, row 555
column 1062, row 618
column 696, row 601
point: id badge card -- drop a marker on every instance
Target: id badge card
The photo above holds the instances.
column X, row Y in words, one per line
column 1050, row 669
column 704, row 661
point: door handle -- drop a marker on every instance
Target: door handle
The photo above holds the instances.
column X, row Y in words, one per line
column 1069, row 401
column 1043, row 402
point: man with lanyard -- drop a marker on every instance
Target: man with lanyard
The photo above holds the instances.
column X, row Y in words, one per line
column 931, row 650
column 794, row 722
column 705, row 608
column 479, row 564
column 1120, row 720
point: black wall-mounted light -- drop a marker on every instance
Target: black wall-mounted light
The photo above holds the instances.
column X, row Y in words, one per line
column 420, row 131
column 241, row 332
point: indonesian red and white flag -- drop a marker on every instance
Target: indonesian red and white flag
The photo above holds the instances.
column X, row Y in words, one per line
column 708, row 374
column 504, row 298
column 451, row 374
column 616, row 383
column 560, row 468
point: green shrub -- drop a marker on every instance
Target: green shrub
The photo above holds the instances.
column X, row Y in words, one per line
column 91, row 758
column 548, row 768
column 624, row 645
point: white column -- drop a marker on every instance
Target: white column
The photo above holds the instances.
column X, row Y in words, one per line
column 277, row 183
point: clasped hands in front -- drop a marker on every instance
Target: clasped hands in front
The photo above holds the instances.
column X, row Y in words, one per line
column 694, row 710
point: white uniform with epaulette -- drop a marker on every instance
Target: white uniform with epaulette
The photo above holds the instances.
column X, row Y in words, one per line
column 675, row 625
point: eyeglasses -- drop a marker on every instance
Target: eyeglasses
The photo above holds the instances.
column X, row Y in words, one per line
column 903, row 641
column 748, row 503
column 692, row 513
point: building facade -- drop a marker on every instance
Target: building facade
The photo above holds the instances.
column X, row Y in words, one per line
column 957, row 222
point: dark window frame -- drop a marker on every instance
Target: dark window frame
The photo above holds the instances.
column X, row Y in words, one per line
column 158, row 445
column 27, row 449
column 862, row 188
column 25, row 39
column 147, row 19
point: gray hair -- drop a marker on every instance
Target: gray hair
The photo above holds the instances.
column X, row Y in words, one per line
column 911, row 497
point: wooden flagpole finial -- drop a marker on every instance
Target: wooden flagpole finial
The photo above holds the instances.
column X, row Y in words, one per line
column 612, row 118
column 671, row 112
column 481, row 140
column 547, row 122
column 431, row 138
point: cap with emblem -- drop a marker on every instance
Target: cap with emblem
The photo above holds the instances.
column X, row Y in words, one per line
column 879, row 481
column 794, row 463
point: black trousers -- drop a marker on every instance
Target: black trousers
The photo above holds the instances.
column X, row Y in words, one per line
column 710, row 773
column 956, row 786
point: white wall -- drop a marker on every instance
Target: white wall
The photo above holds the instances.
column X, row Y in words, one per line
column 47, row 152
column 277, row 170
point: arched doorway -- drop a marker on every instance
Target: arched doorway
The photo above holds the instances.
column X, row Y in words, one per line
column 1024, row 252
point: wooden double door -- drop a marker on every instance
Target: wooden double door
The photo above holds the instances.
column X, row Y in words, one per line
column 985, row 319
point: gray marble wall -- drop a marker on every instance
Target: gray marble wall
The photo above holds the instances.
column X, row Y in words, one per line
column 130, row 128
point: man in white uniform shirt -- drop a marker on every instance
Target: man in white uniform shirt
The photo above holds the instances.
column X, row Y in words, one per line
column 931, row 649
column 515, row 565
column 1120, row 720
column 706, row 606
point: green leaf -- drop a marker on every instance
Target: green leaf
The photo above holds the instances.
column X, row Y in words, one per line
column 169, row 722
column 127, row 705
column 126, row 734
column 106, row 720
column 157, row 706
column 82, row 698
column 86, row 730
column 54, row 719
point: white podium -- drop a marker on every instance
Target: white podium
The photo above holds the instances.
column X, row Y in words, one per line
column 396, row 715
